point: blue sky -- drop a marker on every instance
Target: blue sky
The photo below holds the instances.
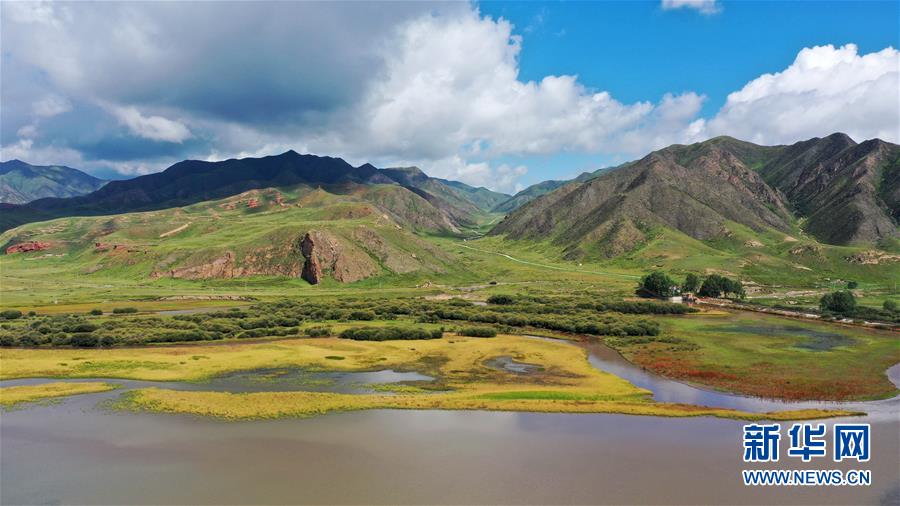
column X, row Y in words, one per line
column 500, row 94
column 638, row 51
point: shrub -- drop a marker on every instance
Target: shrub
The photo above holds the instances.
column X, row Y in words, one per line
column 477, row 331
column 361, row 315
column 11, row 314
column 389, row 334
column 84, row 340
column 124, row 310
column 318, row 331
column 852, row 285
column 96, row 312
column 890, row 305
column 501, row 300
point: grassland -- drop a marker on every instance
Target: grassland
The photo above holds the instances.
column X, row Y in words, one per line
column 11, row 396
column 75, row 278
column 565, row 383
column 768, row 356
column 74, row 275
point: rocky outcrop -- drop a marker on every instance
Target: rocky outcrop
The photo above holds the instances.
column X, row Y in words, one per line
column 221, row 267
column 872, row 257
column 325, row 252
column 312, row 269
column 27, row 247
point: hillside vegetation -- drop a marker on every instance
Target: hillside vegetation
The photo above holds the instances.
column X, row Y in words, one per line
column 21, row 182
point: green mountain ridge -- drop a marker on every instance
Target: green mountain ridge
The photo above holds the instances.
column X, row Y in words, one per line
column 21, row 182
column 843, row 193
column 544, row 187
column 193, row 181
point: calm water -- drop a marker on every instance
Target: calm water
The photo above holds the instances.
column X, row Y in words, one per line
column 77, row 452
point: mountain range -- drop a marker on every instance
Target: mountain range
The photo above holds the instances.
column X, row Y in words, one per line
column 832, row 188
column 437, row 205
column 21, row 182
column 828, row 204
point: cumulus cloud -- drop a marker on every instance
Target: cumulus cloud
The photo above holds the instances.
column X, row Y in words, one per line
column 137, row 86
column 156, row 128
column 451, row 87
column 825, row 90
column 703, row 6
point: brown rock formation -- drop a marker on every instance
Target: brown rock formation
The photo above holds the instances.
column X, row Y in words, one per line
column 872, row 257
column 327, row 252
column 27, row 247
column 312, row 270
column 221, row 267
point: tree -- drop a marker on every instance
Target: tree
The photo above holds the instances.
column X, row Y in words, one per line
column 717, row 286
column 890, row 305
column 656, row 284
column 841, row 302
column 691, row 283
column 734, row 287
column 851, row 285
column 713, row 286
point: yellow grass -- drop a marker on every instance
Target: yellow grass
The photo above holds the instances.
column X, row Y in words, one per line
column 10, row 396
column 302, row 404
column 567, row 383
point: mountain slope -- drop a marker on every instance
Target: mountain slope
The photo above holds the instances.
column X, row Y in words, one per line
column 544, row 187
column 460, row 200
column 848, row 192
column 365, row 231
column 21, row 182
column 840, row 191
column 482, row 197
column 527, row 195
column 437, row 208
column 618, row 210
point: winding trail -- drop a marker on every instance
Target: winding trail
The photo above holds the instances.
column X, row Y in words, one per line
column 545, row 266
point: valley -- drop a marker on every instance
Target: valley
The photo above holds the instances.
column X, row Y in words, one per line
column 294, row 287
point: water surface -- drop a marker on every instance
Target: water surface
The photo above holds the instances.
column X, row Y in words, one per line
column 76, row 451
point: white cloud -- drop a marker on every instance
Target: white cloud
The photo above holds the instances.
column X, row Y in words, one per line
column 27, row 131
column 703, row 6
column 154, row 128
column 502, row 178
column 24, row 149
column 50, row 106
column 432, row 85
column 450, row 90
column 825, row 90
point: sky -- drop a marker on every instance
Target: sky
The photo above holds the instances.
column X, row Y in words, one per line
column 495, row 94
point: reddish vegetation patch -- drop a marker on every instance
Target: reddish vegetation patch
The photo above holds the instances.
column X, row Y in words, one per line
column 760, row 379
column 27, row 247
column 252, row 203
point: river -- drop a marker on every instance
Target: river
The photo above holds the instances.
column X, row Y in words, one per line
column 76, row 451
